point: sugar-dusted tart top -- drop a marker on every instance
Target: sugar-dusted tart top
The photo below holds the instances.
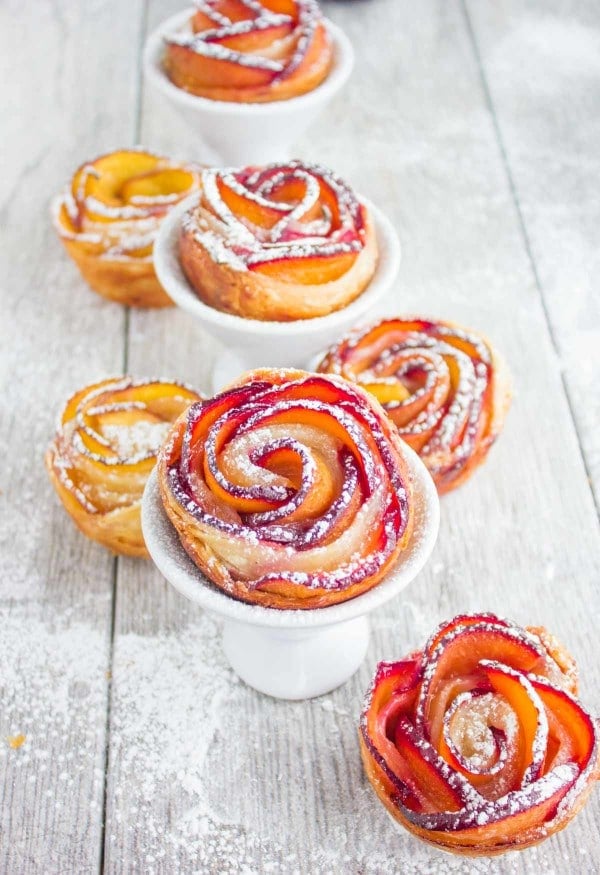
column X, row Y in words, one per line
column 288, row 490
column 104, row 449
column 444, row 386
column 286, row 241
column 477, row 743
column 250, row 51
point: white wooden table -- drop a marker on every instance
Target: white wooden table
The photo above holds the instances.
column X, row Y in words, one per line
column 476, row 126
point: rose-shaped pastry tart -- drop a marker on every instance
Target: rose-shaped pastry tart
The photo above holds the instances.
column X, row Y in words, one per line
column 477, row 744
column 109, row 216
column 289, row 490
column 287, row 241
column 250, row 51
column 446, row 389
column 105, row 448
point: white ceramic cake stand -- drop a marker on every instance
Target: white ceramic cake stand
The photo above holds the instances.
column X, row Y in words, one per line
column 250, row 343
column 293, row 654
column 246, row 133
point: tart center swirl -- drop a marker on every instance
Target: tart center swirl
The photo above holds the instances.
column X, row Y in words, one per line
column 117, row 202
column 299, row 222
column 294, row 490
column 278, row 243
column 478, row 741
column 104, row 450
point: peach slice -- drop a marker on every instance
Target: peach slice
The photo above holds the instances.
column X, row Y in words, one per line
column 109, row 173
column 464, row 648
column 256, row 39
column 323, row 492
column 155, row 183
column 493, row 776
column 234, row 10
column 206, row 72
column 394, row 692
column 239, row 498
column 387, row 392
column 426, row 768
column 527, row 705
column 260, row 214
column 318, row 50
column 460, row 621
column 498, row 825
column 571, row 725
column 312, row 269
column 291, row 191
column 282, row 7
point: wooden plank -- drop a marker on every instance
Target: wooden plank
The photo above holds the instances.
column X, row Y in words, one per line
column 548, row 121
column 65, row 104
column 152, row 647
column 205, row 774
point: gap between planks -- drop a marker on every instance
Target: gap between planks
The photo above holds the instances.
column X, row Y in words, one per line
column 137, row 124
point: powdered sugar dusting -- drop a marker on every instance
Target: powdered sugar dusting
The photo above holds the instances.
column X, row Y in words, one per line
column 53, row 699
column 137, row 440
column 119, row 226
column 281, row 57
column 243, row 244
column 437, row 382
column 456, row 717
column 265, row 531
column 211, row 777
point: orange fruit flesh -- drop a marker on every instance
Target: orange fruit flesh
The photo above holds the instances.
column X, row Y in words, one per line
column 312, row 270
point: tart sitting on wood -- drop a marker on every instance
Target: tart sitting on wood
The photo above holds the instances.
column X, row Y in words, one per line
column 288, row 489
column 282, row 242
column 109, row 216
column 104, row 450
column 477, row 744
column 445, row 387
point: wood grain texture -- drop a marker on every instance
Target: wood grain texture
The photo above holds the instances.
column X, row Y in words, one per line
column 64, row 104
column 541, row 63
column 208, row 776
column 205, row 775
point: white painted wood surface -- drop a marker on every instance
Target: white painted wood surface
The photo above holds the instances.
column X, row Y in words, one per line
column 542, row 80
column 475, row 127
column 61, row 102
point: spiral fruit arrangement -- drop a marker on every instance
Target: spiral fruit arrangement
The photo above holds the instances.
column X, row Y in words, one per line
column 287, row 241
column 104, row 450
column 445, row 388
column 110, row 215
column 250, row 51
column 477, row 744
column 289, row 489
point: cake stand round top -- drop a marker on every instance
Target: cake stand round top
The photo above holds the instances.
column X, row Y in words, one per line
column 171, row 559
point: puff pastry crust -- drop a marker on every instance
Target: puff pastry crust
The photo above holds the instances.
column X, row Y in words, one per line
column 109, row 216
column 445, row 387
column 104, row 450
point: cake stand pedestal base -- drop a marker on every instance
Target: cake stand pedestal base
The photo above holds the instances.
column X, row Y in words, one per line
column 296, row 663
